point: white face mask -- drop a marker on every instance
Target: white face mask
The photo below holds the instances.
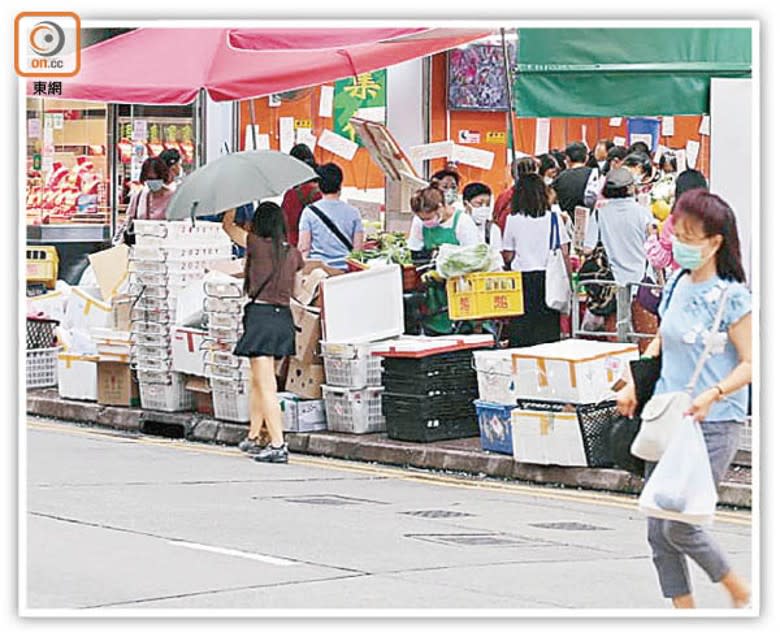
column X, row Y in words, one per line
column 155, row 185
column 481, row 214
column 548, row 181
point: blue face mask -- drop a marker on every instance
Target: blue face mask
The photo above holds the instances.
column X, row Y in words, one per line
column 689, row 257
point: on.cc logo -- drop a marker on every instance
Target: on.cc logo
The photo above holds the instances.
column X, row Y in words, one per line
column 47, row 39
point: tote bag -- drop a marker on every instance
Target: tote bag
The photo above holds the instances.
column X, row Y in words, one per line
column 557, row 289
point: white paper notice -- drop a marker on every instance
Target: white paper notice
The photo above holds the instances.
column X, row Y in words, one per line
column 326, row 101
column 286, row 134
column 33, row 127
column 580, row 225
column 659, row 153
column 431, row 151
column 584, row 134
column 692, row 152
column 274, row 100
column 305, row 136
column 473, row 156
column 647, row 138
column 48, row 136
column 337, row 144
column 542, row 136
column 58, row 121
column 140, row 132
column 372, row 114
column 667, row 127
column 615, row 121
column 682, row 159
column 704, row 129
column 264, row 142
column 619, row 141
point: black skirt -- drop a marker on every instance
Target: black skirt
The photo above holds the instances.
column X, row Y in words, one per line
column 268, row 331
column 539, row 324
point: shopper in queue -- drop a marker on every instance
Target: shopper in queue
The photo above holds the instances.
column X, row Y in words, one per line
column 570, row 184
column 641, row 167
column 706, row 245
column 269, row 333
column 526, row 248
column 152, row 199
column 503, row 207
column 300, row 196
column 330, row 228
column 476, row 198
column 172, row 159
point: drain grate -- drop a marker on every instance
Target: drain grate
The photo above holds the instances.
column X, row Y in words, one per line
column 569, row 526
column 477, row 539
column 323, row 499
column 438, row 514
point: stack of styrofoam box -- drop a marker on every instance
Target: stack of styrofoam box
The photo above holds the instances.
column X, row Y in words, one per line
column 168, row 256
column 228, row 374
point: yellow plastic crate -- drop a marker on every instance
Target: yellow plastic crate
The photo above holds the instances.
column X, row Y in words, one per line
column 42, row 265
column 485, row 295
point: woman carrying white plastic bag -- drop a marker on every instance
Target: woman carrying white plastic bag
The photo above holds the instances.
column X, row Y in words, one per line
column 706, row 246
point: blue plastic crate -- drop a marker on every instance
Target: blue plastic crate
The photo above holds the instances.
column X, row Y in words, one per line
column 495, row 426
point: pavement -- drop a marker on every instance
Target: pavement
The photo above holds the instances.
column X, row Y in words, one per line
column 464, row 455
column 118, row 522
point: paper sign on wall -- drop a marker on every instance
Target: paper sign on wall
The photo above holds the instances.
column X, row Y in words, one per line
column 286, row 134
column 692, row 152
column 469, row 137
column 647, row 138
column 305, row 136
column 263, row 141
column 667, row 127
column 473, row 156
column 337, row 144
column 682, row 160
column 430, row 151
column 619, row 141
column 495, row 137
column 140, row 132
column 542, row 136
column 33, row 127
column 615, row 121
column 704, row 128
column 58, row 121
column 326, row 101
column 274, row 100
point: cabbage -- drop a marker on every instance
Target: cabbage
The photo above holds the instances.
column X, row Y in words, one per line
column 453, row 261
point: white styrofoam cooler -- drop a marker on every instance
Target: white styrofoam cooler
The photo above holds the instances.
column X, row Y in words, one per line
column 543, row 437
column 572, row 370
column 77, row 376
column 494, row 375
column 85, row 311
column 186, row 346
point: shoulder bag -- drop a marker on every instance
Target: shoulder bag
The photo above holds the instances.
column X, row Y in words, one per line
column 664, row 413
column 331, row 226
column 598, row 281
column 557, row 288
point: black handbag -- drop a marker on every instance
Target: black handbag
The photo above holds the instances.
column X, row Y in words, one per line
column 595, row 275
column 620, row 436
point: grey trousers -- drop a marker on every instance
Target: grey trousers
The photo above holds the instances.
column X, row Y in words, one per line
column 672, row 541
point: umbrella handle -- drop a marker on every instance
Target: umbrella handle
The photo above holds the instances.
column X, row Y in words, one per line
column 192, row 212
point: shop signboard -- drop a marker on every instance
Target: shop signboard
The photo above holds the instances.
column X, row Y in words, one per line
column 367, row 90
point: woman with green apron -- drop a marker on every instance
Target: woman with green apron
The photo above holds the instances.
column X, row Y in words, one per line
column 437, row 223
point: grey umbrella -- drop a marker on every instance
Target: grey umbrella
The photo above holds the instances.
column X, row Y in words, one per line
column 236, row 179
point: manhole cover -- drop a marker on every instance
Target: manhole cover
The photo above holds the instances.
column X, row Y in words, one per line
column 476, row 539
column 325, row 499
column 569, row 526
column 438, row 514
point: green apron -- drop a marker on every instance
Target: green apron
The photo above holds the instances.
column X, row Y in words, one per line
column 438, row 319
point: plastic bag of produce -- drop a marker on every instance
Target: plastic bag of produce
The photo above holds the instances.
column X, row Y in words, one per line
column 455, row 261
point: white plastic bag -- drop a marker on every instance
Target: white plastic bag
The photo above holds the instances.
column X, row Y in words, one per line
column 682, row 487
column 557, row 288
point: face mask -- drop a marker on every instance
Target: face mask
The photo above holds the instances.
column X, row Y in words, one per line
column 432, row 223
column 689, row 257
column 450, row 196
column 548, row 181
column 155, row 185
column 481, row 214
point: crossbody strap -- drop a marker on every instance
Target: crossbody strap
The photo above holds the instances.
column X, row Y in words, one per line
column 708, row 343
column 555, row 233
column 331, row 226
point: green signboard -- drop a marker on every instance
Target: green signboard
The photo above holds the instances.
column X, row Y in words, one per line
column 366, row 91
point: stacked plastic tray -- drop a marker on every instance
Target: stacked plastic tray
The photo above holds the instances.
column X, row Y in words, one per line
column 167, row 258
column 228, row 374
column 430, row 398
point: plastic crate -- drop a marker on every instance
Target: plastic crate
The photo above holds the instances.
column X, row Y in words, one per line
column 495, row 426
column 351, row 365
column 42, row 367
column 40, row 333
column 231, row 305
column 594, row 420
column 485, row 295
column 43, row 265
column 231, row 399
column 419, row 429
column 356, row 411
column 171, row 396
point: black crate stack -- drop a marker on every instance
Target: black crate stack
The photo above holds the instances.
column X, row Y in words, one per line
column 430, row 398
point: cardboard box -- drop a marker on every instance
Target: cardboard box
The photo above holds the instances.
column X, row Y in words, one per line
column 187, row 357
column 302, row 415
column 117, row 384
column 111, row 269
column 121, row 307
column 200, row 388
column 308, row 333
column 305, row 381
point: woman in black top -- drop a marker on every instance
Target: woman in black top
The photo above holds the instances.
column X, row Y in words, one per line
column 269, row 333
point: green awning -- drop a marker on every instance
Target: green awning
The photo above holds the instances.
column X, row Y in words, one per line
column 626, row 72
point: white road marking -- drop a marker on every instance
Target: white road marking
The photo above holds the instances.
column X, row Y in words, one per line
column 276, row 561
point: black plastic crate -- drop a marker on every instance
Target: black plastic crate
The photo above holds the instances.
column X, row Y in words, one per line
column 40, row 333
column 436, row 362
column 425, row 386
column 431, row 429
column 453, row 405
column 595, row 420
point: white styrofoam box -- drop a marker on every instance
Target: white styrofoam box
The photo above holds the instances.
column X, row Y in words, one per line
column 223, row 305
column 187, row 350
column 300, row 415
column 494, row 375
column 223, row 286
column 431, row 345
column 573, row 370
column 352, row 364
column 356, row 411
column 85, row 311
column 50, row 305
column 77, row 376
column 110, row 342
column 225, row 358
column 174, row 233
column 361, row 307
column 189, row 304
column 542, row 437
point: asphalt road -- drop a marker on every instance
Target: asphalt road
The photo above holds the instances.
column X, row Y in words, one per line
column 132, row 524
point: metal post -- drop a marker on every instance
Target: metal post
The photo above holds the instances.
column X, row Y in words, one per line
column 111, row 152
column 509, row 96
column 623, row 312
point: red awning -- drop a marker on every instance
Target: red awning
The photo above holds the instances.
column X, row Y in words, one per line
column 170, row 66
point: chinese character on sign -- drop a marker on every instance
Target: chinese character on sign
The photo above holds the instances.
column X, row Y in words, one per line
column 54, row 88
column 39, row 88
column 363, row 86
column 501, row 302
column 465, row 305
